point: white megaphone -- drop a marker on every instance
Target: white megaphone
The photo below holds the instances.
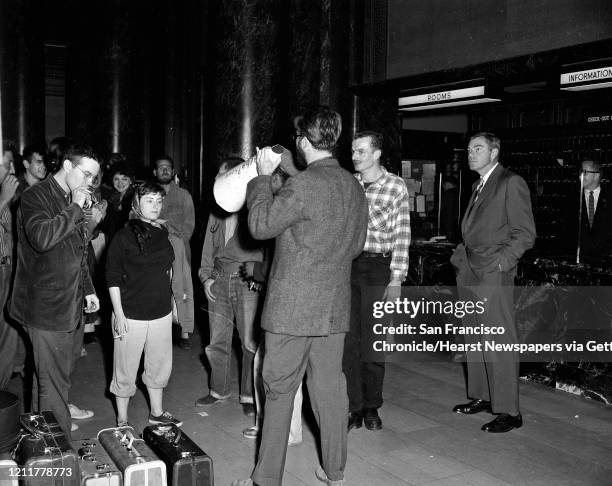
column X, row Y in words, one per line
column 230, row 187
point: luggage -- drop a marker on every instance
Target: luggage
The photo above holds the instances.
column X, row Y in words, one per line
column 186, row 463
column 10, row 428
column 133, row 457
column 8, row 473
column 44, row 453
column 95, row 465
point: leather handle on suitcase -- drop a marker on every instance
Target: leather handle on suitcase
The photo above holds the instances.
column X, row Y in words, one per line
column 177, row 433
column 31, row 428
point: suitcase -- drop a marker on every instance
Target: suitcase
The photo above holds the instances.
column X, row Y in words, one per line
column 133, row 457
column 186, row 463
column 8, row 473
column 44, row 453
column 95, row 465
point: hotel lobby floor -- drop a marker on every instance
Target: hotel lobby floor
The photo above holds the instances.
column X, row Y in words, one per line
column 565, row 440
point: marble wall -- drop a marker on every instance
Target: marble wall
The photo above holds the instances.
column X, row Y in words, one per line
column 21, row 74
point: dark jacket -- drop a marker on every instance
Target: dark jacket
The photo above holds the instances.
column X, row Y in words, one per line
column 319, row 219
column 596, row 240
column 498, row 228
column 51, row 279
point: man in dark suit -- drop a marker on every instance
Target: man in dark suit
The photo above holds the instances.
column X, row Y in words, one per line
column 319, row 219
column 52, row 286
column 595, row 228
column 497, row 228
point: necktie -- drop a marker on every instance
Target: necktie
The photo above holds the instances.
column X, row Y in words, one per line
column 478, row 189
column 591, row 208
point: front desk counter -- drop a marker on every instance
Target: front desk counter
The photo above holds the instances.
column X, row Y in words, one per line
column 556, row 301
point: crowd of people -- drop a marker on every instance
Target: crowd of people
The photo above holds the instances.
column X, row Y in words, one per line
column 72, row 236
column 290, row 271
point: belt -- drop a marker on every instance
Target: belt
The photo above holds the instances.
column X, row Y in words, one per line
column 219, row 273
column 5, row 260
column 370, row 254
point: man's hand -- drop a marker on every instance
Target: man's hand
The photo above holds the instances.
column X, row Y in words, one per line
column 393, row 291
column 96, row 215
column 120, row 326
column 267, row 161
column 92, row 304
column 208, row 283
column 81, row 196
column 8, row 189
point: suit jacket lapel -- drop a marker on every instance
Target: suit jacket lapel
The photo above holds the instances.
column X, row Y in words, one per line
column 485, row 193
column 470, row 208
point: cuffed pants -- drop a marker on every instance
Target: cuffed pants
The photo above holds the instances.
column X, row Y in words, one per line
column 155, row 338
column 234, row 300
column 287, row 359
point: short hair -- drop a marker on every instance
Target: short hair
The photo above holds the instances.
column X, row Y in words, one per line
column 491, row 138
column 594, row 163
column 30, row 150
column 231, row 162
column 164, row 157
column 9, row 146
column 147, row 187
column 123, row 168
column 321, row 126
column 77, row 151
column 376, row 139
column 57, row 153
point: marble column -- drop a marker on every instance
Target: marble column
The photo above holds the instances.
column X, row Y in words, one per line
column 106, row 79
column 21, row 74
column 248, row 69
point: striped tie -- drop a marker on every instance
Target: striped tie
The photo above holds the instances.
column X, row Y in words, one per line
column 591, row 208
column 478, row 189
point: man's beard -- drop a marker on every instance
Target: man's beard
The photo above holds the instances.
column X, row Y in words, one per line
column 301, row 158
column 163, row 179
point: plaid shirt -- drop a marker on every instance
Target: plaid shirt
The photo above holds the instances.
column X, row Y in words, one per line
column 6, row 233
column 389, row 221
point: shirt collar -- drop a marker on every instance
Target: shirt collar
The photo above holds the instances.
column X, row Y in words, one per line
column 383, row 175
column 595, row 191
column 488, row 174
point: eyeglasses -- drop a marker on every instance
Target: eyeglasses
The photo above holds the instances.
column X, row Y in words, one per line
column 88, row 175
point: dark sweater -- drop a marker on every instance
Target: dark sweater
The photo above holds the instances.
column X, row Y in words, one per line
column 143, row 278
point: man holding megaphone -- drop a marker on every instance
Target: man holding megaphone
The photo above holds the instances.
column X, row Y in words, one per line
column 319, row 220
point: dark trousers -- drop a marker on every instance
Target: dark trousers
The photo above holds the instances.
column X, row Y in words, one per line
column 54, row 357
column 364, row 378
column 9, row 336
column 492, row 375
column 287, row 359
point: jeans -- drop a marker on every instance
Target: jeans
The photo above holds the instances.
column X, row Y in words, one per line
column 234, row 301
column 364, row 379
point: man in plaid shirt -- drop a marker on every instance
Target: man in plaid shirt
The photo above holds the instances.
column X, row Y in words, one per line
column 383, row 263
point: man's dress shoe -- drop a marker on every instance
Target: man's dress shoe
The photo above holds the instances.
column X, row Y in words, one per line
column 503, row 423
column 371, row 419
column 355, row 420
column 475, row 406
